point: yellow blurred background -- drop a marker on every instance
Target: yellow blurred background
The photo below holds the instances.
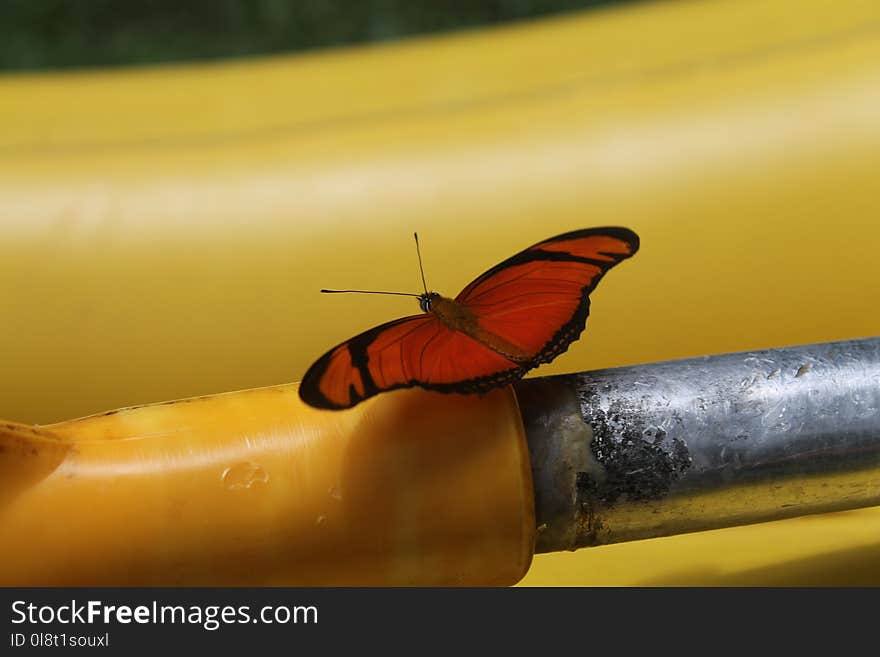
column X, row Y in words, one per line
column 164, row 231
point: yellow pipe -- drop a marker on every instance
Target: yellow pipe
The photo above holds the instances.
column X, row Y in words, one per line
column 164, row 231
column 255, row 488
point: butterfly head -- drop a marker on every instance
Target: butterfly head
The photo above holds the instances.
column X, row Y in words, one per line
column 426, row 299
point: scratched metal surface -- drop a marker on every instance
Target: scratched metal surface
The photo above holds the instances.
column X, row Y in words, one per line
column 680, row 446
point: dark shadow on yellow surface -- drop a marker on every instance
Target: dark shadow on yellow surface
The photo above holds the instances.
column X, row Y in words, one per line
column 433, row 485
column 852, row 567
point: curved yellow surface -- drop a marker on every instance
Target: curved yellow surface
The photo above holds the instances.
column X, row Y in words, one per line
column 256, row 488
column 165, row 231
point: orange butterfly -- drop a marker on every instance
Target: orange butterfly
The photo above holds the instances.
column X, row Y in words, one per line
column 519, row 314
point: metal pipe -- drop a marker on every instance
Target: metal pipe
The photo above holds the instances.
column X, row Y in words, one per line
column 681, row 446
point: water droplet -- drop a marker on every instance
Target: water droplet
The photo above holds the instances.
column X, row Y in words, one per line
column 320, row 520
column 244, row 475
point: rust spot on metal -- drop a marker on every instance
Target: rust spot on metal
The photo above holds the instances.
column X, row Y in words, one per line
column 640, row 462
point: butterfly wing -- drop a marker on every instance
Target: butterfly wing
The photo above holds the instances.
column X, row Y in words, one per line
column 414, row 351
column 538, row 299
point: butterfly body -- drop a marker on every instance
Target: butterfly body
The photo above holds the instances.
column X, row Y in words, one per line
column 521, row 313
column 458, row 317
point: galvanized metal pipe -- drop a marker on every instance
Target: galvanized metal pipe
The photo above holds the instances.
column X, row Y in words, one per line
column 689, row 445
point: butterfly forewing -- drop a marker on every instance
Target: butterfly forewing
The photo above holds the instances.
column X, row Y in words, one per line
column 414, row 351
column 539, row 298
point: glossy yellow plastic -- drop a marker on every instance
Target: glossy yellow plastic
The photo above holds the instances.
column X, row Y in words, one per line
column 164, row 231
column 255, row 488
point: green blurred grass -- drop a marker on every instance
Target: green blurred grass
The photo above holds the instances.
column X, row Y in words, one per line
column 40, row 34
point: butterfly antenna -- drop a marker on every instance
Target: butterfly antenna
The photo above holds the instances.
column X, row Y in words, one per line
column 421, row 269
column 400, row 294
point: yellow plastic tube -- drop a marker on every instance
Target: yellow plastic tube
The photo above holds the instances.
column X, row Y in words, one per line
column 255, row 488
column 164, row 231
